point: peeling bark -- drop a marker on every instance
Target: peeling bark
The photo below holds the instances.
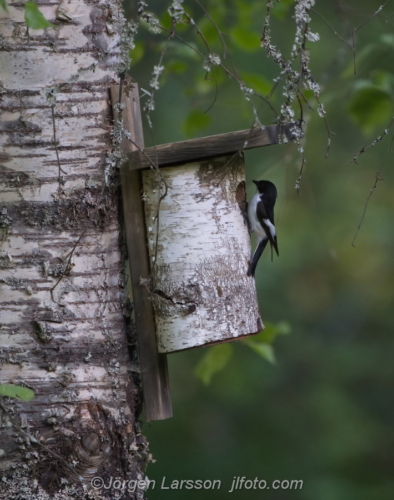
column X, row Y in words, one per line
column 63, row 313
column 201, row 293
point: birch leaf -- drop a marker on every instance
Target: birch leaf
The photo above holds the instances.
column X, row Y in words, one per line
column 16, row 391
column 34, row 17
column 214, row 361
column 264, row 350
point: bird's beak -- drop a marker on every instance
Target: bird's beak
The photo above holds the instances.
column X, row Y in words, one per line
column 256, row 182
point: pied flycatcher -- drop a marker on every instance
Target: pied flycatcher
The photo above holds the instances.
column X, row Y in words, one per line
column 261, row 220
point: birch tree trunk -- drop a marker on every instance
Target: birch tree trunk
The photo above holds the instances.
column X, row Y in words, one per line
column 62, row 297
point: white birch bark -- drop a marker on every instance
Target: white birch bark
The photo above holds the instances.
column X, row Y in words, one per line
column 201, row 293
column 59, row 226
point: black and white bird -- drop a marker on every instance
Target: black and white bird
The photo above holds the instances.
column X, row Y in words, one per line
column 261, row 220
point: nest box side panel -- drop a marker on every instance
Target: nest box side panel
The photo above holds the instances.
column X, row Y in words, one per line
column 200, row 291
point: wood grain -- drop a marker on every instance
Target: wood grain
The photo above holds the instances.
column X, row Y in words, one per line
column 154, row 370
column 208, row 147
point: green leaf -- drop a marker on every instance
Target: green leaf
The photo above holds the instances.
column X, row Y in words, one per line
column 257, row 82
column 177, row 67
column 180, row 50
column 271, row 331
column 367, row 53
column 209, row 31
column 383, row 80
column 266, row 351
column 16, row 391
column 4, row 5
column 388, row 39
column 369, row 107
column 203, row 86
column 214, row 361
column 247, row 40
column 34, row 17
column 137, row 53
column 281, row 9
column 195, row 122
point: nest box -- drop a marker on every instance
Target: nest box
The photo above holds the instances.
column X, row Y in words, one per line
column 188, row 244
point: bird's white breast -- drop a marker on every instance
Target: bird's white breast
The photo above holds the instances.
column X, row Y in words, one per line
column 253, row 221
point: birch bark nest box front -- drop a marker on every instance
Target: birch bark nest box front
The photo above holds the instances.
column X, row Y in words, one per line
column 199, row 250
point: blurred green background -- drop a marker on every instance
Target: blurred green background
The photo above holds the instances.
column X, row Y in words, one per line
column 324, row 412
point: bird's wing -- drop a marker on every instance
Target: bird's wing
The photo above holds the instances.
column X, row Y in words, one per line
column 265, row 216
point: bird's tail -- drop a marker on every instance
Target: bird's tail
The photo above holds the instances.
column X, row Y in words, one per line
column 257, row 254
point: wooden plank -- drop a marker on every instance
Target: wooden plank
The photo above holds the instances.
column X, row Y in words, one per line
column 154, row 370
column 208, row 147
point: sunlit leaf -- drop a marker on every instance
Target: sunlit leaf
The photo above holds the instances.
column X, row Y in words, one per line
column 266, row 351
column 369, row 107
column 16, row 391
column 214, row 361
column 34, row 17
column 137, row 53
column 195, row 122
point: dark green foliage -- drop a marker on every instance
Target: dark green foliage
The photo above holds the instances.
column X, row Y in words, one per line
column 370, row 106
column 196, row 122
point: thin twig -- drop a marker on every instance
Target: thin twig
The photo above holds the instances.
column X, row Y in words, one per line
column 329, row 131
column 226, row 70
column 216, row 27
column 358, row 27
column 305, row 100
column 152, row 95
column 230, row 73
column 67, row 266
column 216, row 91
column 378, row 139
column 153, row 163
column 332, row 29
column 301, row 108
column 377, row 179
column 160, row 199
column 55, row 142
column 298, row 180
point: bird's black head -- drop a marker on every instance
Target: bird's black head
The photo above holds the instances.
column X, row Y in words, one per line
column 266, row 187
